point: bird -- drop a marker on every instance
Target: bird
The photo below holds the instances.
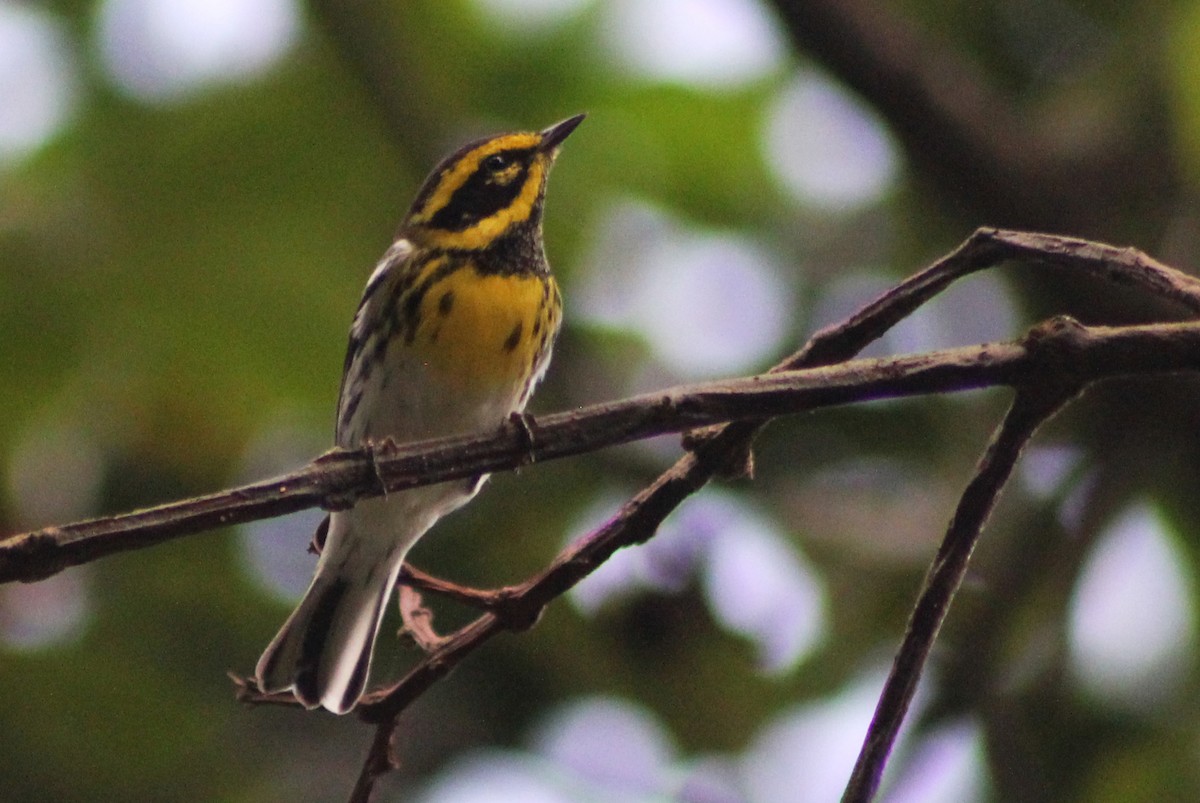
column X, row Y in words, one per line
column 454, row 330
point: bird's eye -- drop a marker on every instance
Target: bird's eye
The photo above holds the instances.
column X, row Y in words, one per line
column 497, row 162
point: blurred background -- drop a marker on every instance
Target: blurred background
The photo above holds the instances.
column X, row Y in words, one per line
column 193, row 192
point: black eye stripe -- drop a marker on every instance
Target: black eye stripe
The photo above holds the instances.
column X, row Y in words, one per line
column 495, row 182
column 479, row 197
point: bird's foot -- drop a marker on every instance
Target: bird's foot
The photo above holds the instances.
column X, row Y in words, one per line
column 376, row 449
column 522, row 425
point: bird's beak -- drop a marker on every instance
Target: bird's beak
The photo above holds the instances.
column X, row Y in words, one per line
column 553, row 136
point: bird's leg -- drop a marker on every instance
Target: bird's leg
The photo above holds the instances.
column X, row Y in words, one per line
column 375, row 448
column 522, row 424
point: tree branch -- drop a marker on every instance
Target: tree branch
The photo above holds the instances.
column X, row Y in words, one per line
column 1059, row 344
column 1047, row 366
column 336, row 479
column 1034, row 404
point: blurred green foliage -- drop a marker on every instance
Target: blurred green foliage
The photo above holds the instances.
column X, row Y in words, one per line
column 177, row 278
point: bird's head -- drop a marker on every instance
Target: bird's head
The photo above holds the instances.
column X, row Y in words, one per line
column 486, row 189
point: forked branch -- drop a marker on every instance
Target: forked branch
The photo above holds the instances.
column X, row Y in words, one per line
column 1051, row 364
column 1064, row 368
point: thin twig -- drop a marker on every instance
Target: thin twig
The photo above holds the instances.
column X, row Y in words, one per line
column 1031, row 407
column 378, row 763
column 417, row 619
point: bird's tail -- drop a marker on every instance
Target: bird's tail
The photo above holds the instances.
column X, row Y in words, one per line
column 323, row 651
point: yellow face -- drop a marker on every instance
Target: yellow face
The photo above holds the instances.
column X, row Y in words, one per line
column 481, row 192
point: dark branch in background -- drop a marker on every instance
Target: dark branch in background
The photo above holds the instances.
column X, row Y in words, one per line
column 971, row 139
column 367, row 37
column 1049, row 365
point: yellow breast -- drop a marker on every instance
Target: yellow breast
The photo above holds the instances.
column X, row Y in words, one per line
column 486, row 332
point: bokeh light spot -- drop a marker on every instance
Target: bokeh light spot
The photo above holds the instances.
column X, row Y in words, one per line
column 703, row 43
column 1132, row 625
column 55, row 475
column 37, row 79
column 756, row 583
column 707, row 303
column 613, row 744
column 828, row 150
column 529, row 17
column 807, row 753
column 977, row 310
column 49, row 613
column 948, row 765
column 1045, row 470
column 664, row 564
column 494, row 777
column 165, row 49
column 274, row 549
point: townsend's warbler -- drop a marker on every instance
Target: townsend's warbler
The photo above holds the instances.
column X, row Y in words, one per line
column 454, row 330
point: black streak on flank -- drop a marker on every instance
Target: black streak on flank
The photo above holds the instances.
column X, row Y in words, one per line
column 514, row 338
column 411, row 304
column 446, row 303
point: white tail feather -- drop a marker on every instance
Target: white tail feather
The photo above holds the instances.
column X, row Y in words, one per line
column 323, row 651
